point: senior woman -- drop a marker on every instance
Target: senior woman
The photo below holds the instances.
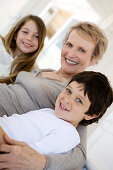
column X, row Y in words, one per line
column 83, row 46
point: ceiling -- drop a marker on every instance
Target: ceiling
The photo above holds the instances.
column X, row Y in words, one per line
column 90, row 9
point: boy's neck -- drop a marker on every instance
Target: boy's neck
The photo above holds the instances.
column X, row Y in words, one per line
column 74, row 124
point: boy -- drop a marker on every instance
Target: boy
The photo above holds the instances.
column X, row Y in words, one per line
column 84, row 100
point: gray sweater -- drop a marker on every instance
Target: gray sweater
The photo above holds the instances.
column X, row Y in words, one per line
column 30, row 92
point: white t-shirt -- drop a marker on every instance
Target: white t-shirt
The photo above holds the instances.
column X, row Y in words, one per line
column 42, row 130
column 5, row 60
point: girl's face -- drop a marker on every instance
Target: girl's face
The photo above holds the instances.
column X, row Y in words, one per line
column 76, row 54
column 71, row 104
column 27, row 38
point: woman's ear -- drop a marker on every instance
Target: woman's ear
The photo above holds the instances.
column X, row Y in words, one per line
column 93, row 61
column 89, row 117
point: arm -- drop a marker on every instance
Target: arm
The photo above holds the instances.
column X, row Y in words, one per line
column 29, row 159
column 18, row 155
column 74, row 159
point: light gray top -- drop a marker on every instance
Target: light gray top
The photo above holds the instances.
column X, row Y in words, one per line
column 29, row 92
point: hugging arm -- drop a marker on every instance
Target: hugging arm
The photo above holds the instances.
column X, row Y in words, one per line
column 1, row 135
column 74, row 159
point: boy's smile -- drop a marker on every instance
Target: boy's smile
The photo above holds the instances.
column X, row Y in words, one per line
column 71, row 104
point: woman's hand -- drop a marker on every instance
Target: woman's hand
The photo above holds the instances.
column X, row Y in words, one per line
column 2, row 133
column 20, row 156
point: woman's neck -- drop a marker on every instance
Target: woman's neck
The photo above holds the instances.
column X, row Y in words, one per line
column 58, row 75
column 63, row 75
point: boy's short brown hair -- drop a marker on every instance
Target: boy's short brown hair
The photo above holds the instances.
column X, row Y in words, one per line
column 99, row 91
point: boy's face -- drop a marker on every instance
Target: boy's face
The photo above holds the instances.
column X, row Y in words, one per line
column 76, row 54
column 71, row 103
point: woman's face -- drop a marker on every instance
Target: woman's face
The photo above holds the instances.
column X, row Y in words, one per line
column 76, row 54
column 27, row 38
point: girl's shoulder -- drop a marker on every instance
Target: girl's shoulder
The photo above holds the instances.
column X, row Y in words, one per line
column 2, row 47
column 1, row 40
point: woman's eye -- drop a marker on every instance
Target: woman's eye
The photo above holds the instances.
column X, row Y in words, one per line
column 69, row 44
column 79, row 100
column 82, row 50
column 25, row 32
column 68, row 90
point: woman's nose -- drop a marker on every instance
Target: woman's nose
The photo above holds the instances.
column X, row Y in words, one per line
column 72, row 52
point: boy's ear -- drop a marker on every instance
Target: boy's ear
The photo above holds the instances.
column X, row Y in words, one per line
column 89, row 117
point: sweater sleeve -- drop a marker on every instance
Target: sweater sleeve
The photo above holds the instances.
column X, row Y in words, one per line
column 74, row 159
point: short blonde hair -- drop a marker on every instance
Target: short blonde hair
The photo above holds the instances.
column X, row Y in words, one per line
column 91, row 32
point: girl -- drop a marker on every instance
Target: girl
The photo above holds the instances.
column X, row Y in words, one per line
column 21, row 46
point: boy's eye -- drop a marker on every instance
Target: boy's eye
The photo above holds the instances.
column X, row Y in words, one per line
column 82, row 50
column 79, row 100
column 68, row 90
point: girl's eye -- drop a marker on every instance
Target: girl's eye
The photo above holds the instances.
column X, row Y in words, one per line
column 82, row 50
column 68, row 90
column 79, row 100
column 25, row 32
column 36, row 36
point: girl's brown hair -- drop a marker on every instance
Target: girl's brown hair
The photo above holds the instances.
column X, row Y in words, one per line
column 24, row 62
